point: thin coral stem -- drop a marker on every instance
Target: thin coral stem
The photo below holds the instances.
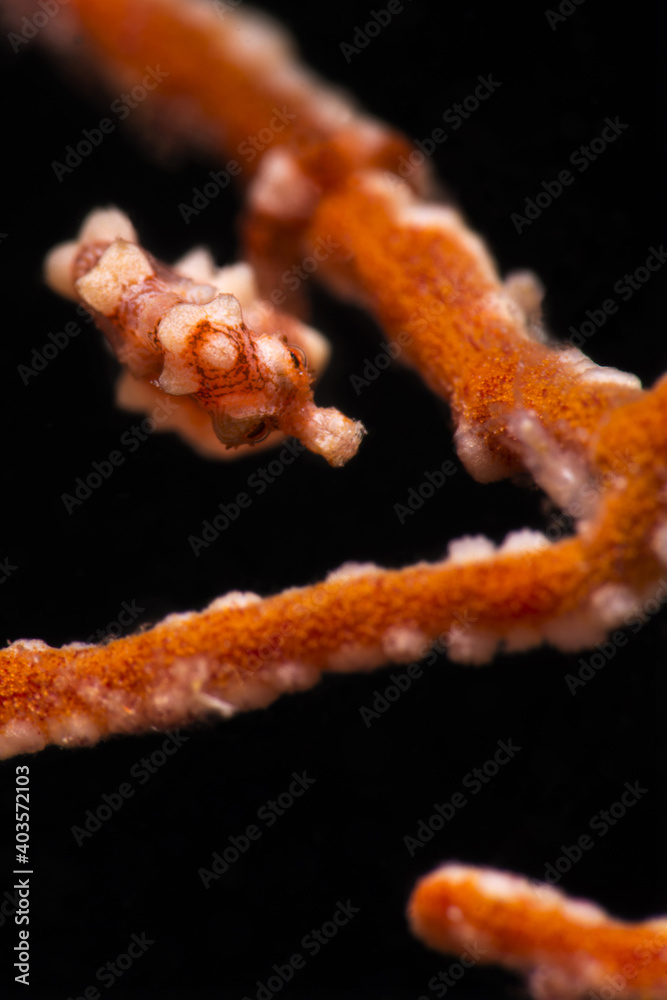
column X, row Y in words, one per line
column 567, row 948
column 475, row 341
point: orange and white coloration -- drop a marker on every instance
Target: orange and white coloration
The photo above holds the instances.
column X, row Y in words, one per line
column 243, row 653
column 187, row 337
column 591, row 437
column 568, row 949
column 588, row 435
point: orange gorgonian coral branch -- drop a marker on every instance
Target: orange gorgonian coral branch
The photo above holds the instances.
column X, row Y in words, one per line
column 519, row 403
column 568, row 948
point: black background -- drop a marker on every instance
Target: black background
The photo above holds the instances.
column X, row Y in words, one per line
column 129, row 541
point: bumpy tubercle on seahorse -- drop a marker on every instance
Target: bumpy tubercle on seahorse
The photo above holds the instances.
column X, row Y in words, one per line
column 188, row 337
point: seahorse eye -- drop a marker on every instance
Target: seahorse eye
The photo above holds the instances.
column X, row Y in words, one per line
column 298, row 357
column 260, row 433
